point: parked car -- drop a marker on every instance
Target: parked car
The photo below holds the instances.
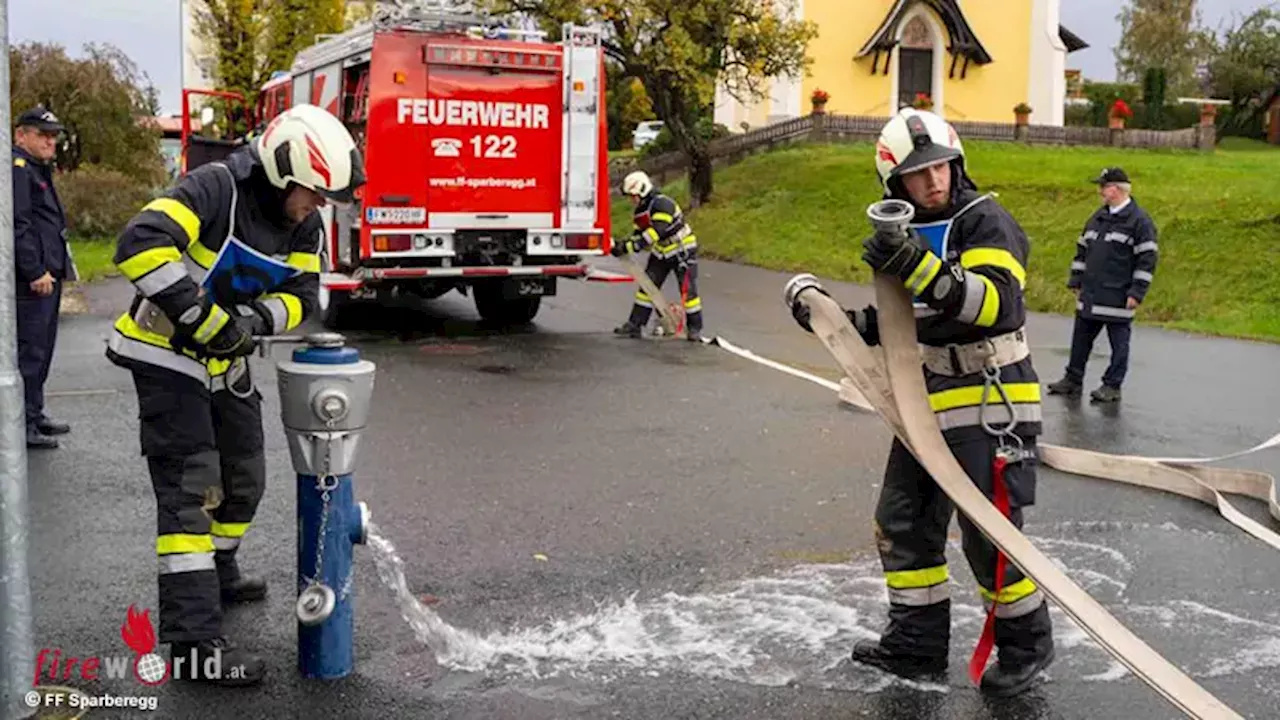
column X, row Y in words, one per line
column 645, row 133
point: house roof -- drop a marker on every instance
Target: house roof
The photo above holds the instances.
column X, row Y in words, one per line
column 1071, row 40
column 963, row 41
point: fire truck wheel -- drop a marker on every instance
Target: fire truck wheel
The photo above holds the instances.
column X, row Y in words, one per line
column 496, row 309
column 331, row 315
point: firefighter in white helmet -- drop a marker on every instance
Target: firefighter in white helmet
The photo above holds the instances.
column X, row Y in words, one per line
column 964, row 262
column 661, row 228
column 201, row 426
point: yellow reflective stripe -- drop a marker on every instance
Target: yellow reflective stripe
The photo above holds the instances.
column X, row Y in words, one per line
column 212, row 325
column 129, row 328
column 691, row 240
column 183, row 543
column 178, row 213
column 990, row 303
column 969, row 396
column 1010, row 594
column 203, row 256
column 642, row 296
column 995, row 257
column 20, row 162
column 148, row 260
column 925, row 577
column 694, row 303
column 927, row 269
column 306, row 262
column 664, row 217
column 652, row 234
column 292, row 306
column 230, row 530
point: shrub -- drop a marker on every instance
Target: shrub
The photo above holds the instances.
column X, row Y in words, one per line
column 99, row 201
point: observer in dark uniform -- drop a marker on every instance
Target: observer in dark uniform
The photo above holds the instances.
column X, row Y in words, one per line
column 42, row 262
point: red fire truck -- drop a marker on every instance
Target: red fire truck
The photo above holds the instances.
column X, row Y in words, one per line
column 486, row 156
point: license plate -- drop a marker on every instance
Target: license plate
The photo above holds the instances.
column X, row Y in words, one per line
column 529, row 287
column 396, row 215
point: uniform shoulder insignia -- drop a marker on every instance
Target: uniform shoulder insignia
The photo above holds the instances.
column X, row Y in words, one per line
column 20, row 162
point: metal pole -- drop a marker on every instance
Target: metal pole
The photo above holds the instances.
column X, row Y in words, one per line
column 16, row 643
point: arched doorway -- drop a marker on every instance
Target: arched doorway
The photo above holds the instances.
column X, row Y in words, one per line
column 915, row 61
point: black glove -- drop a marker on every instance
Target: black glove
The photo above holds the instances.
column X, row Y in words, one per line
column 223, row 336
column 256, row 319
column 893, row 254
column 864, row 320
column 800, row 311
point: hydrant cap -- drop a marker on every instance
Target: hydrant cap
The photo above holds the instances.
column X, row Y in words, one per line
column 327, row 356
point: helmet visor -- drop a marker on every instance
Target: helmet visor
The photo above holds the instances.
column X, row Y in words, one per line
column 347, row 195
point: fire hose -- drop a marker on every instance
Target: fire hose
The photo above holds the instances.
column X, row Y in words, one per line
column 889, row 381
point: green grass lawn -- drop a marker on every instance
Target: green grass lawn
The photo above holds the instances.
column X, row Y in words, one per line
column 802, row 209
column 93, row 258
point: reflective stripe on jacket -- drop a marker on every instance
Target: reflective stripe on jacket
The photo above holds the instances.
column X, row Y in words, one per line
column 1115, row 260
column 211, row 205
column 659, row 219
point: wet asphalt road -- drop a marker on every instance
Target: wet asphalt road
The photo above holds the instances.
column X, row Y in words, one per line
column 701, row 524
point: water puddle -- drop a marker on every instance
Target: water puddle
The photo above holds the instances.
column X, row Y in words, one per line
column 797, row 626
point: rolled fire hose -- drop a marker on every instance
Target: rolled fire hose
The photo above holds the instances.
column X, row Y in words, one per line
column 894, row 387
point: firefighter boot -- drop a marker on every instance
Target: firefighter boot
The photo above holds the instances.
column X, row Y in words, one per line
column 915, row 644
column 1025, row 647
column 629, row 329
column 234, row 587
column 216, row 661
column 1065, row 386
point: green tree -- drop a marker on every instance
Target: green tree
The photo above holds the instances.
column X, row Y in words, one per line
column 102, row 99
column 1164, row 34
column 627, row 104
column 250, row 39
column 679, row 50
column 1246, row 67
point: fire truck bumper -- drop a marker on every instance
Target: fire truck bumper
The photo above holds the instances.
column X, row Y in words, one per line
column 338, row 282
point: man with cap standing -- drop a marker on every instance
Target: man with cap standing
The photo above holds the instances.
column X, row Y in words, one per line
column 42, row 261
column 1112, row 271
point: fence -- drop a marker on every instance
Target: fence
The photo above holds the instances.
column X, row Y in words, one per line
column 854, row 128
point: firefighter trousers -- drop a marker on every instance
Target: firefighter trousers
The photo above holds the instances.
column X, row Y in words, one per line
column 686, row 271
column 912, row 517
column 205, row 454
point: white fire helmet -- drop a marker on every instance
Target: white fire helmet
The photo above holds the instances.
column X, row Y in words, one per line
column 913, row 140
column 637, row 183
column 309, row 146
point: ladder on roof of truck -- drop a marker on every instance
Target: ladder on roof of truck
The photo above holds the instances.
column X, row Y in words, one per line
column 581, row 142
column 446, row 15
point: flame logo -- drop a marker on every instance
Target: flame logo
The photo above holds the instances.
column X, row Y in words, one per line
column 137, row 631
column 884, row 153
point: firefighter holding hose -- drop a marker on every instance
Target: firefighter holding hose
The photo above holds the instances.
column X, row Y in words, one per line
column 662, row 229
column 963, row 259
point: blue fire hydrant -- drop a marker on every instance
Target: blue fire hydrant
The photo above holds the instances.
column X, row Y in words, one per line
column 325, row 391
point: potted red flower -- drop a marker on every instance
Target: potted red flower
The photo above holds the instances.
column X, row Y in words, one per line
column 1119, row 113
column 1022, row 113
column 819, row 99
column 922, row 102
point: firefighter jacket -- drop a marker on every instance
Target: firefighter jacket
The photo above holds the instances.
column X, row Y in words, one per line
column 39, row 223
column 213, row 204
column 1115, row 260
column 969, row 291
column 660, row 222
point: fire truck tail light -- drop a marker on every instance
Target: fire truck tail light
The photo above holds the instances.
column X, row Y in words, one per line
column 582, row 241
column 392, row 243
